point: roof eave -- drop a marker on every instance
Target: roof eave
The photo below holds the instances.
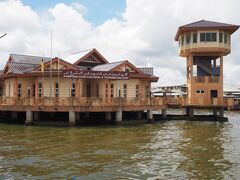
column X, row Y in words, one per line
column 232, row 29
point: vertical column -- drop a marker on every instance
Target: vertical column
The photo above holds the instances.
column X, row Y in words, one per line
column 72, row 118
column 36, row 87
column 164, row 113
column 15, row 86
column 150, row 115
column 77, row 88
column 220, row 96
column 221, row 112
column 29, row 117
column 119, row 116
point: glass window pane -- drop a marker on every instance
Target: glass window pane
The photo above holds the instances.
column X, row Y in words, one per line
column 202, row 37
column 195, row 38
column 220, row 37
column 208, row 37
column 214, row 37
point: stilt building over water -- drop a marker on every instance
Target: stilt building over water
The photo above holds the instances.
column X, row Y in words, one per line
column 83, row 84
column 204, row 44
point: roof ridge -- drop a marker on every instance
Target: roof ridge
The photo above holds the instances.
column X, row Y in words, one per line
column 29, row 55
column 192, row 23
column 82, row 51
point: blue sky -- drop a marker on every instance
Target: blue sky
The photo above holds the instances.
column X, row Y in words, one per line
column 97, row 10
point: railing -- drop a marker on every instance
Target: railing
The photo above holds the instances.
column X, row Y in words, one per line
column 206, row 79
column 84, row 101
column 214, row 79
column 200, row 79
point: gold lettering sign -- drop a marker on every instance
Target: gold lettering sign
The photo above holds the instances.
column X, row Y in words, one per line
column 95, row 75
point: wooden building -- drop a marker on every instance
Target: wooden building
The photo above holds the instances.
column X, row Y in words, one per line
column 204, row 44
column 80, row 84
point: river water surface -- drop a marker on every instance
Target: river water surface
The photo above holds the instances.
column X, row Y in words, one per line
column 166, row 150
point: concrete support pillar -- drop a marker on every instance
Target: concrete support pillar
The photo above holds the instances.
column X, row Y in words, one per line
column 190, row 112
column 119, row 116
column 72, row 118
column 214, row 112
column 150, row 115
column 108, row 116
column 139, row 114
column 164, row 113
column 29, row 118
column 36, row 116
column 221, row 112
column 14, row 115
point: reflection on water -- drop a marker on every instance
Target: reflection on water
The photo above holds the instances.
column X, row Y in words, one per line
column 174, row 149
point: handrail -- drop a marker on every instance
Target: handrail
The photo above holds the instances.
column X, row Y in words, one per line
column 81, row 101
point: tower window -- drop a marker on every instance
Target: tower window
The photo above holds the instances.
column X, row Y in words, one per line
column 225, row 38
column 194, row 37
column 220, row 37
column 202, row 37
column 188, row 39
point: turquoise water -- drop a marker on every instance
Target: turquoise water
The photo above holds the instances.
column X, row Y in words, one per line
column 166, row 150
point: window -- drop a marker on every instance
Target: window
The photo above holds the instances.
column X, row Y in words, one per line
column 125, row 90
column 97, row 90
column 208, row 37
column 182, row 39
column 225, row 38
column 194, row 37
column 56, row 89
column 214, row 37
column 106, row 89
column 137, row 90
column 200, row 91
column 34, row 90
column 39, row 89
column 28, row 91
column 112, row 90
column 19, row 90
column 188, row 39
column 202, row 37
column 147, row 91
column 73, row 90
column 220, row 37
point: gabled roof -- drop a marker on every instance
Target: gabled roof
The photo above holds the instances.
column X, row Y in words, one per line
column 76, row 58
column 61, row 61
column 20, row 68
column 114, row 66
column 206, row 25
column 18, row 58
column 107, row 67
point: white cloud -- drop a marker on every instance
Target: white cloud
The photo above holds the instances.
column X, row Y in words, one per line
column 144, row 35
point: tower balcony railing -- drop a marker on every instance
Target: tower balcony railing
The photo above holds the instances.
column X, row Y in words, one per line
column 206, row 79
